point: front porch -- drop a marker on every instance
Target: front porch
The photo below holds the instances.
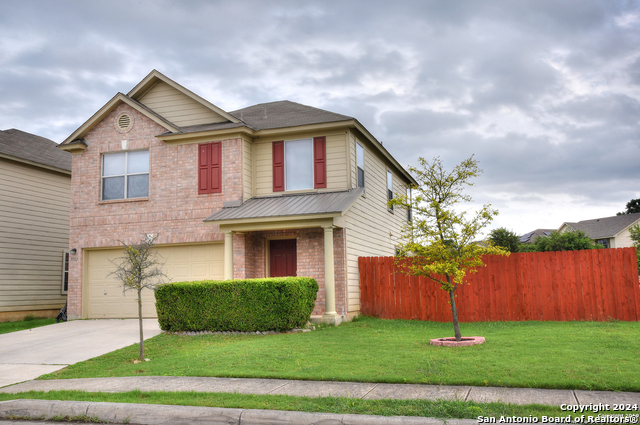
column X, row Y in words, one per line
column 313, row 225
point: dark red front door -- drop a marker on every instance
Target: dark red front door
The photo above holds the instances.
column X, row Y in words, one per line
column 282, row 258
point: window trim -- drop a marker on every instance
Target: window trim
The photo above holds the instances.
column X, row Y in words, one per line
column 389, row 188
column 66, row 258
column 409, row 209
column 125, row 175
column 310, row 160
column 358, row 166
column 317, row 163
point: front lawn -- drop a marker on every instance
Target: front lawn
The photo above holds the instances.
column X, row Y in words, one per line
column 573, row 355
column 28, row 323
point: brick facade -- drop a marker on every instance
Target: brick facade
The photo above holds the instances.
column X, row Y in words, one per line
column 310, row 259
column 174, row 210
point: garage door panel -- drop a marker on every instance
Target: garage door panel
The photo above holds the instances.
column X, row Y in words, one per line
column 182, row 263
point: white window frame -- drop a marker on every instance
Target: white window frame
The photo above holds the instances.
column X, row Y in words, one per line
column 389, row 187
column 358, row 145
column 125, row 175
column 66, row 258
column 409, row 212
column 286, row 163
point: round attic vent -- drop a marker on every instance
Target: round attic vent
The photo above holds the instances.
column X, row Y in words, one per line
column 124, row 122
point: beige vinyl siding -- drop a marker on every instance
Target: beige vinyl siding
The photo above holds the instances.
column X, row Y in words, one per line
column 372, row 230
column 247, row 174
column 177, row 107
column 353, row 160
column 337, row 166
column 34, row 232
column 622, row 240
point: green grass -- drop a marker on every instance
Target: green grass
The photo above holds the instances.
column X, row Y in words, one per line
column 30, row 322
column 439, row 409
column 572, row 355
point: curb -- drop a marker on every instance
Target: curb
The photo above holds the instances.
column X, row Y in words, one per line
column 156, row 414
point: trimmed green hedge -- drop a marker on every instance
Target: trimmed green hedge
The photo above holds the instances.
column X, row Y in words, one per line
column 249, row 305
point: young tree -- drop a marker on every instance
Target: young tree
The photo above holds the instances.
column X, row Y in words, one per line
column 137, row 269
column 504, row 238
column 565, row 241
column 441, row 238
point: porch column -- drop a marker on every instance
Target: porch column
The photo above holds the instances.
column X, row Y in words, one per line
column 228, row 255
column 329, row 279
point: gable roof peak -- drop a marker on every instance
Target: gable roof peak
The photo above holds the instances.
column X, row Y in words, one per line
column 155, row 76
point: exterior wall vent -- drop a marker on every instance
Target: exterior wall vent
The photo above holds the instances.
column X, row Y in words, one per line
column 124, row 122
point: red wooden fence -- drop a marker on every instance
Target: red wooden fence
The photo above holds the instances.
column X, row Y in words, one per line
column 599, row 284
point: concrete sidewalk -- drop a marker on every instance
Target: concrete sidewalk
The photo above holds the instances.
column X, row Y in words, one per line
column 361, row 390
column 161, row 414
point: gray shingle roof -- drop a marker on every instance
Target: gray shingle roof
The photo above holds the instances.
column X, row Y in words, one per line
column 279, row 114
column 606, row 227
column 30, row 147
column 290, row 205
column 532, row 236
column 285, row 114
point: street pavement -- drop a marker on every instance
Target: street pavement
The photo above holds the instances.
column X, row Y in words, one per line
column 25, row 355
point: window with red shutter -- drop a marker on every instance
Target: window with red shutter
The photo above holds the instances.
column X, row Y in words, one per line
column 320, row 162
column 210, row 168
column 299, row 164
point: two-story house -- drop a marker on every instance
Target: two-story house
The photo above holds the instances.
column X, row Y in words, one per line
column 275, row 189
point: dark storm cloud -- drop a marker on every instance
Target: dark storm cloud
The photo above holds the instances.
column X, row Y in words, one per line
column 545, row 93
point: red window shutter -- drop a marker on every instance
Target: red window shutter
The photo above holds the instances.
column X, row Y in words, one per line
column 320, row 162
column 216, row 168
column 204, row 171
column 209, row 168
column 278, row 166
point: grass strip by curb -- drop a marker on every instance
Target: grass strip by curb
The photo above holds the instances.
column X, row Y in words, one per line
column 444, row 409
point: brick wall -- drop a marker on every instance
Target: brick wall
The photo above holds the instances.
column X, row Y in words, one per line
column 310, row 259
column 174, row 209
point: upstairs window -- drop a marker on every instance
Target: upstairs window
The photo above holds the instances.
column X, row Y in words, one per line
column 360, row 164
column 409, row 203
column 390, row 187
column 210, row 168
column 125, row 175
column 299, row 164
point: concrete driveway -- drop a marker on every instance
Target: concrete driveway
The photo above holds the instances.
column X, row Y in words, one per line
column 25, row 355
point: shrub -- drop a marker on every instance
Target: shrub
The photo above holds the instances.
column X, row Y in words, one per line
column 247, row 305
column 504, row 238
column 566, row 241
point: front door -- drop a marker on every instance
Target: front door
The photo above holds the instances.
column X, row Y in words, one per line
column 282, row 258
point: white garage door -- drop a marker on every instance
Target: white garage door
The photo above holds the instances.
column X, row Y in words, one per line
column 104, row 297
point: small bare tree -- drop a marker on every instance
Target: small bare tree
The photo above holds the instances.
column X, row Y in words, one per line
column 137, row 269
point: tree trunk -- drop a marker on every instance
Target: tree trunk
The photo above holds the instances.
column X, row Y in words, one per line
column 140, row 323
column 454, row 312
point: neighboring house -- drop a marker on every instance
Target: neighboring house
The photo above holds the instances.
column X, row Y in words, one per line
column 532, row 236
column 275, row 189
column 611, row 232
column 35, row 181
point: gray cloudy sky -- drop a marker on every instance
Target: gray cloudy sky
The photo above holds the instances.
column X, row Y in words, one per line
column 545, row 93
